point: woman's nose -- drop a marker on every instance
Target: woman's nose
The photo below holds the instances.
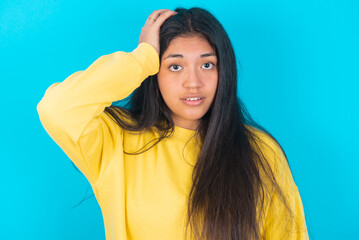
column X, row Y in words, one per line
column 192, row 79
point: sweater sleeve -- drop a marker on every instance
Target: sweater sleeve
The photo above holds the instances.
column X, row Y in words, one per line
column 72, row 112
column 281, row 221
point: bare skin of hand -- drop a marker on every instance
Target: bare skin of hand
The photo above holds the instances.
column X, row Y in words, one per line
column 150, row 32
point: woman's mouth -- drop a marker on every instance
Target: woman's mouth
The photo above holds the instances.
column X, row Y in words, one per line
column 194, row 101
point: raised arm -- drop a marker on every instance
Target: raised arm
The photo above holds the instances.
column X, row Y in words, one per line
column 72, row 112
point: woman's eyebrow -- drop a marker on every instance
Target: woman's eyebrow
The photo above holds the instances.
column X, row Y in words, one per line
column 181, row 56
column 174, row 56
column 208, row 55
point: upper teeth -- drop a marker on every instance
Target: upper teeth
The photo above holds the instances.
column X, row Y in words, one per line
column 192, row 99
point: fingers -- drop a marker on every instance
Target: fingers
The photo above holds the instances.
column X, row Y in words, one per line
column 154, row 15
column 159, row 16
column 164, row 16
column 151, row 30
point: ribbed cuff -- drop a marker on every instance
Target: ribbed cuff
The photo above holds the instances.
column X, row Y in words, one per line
column 147, row 56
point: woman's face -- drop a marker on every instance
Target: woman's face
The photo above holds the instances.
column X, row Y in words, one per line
column 188, row 79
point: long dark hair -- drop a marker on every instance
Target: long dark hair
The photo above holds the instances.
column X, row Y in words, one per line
column 227, row 196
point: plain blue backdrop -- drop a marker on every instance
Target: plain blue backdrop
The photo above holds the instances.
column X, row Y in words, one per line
column 298, row 77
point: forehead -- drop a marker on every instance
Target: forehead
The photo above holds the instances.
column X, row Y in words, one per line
column 189, row 45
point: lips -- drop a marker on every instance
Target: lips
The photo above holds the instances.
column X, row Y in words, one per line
column 192, row 97
column 193, row 100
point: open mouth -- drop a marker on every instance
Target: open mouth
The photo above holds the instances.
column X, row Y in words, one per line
column 192, row 99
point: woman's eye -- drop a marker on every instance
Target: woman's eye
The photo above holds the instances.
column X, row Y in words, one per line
column 208, row 65
column 175, row 68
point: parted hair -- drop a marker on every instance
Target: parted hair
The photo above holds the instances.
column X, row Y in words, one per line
column 231, row 174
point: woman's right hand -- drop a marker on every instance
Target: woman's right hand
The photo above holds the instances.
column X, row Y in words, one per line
column 150, row 32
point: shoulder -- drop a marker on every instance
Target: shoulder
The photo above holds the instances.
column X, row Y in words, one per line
column 266, row 144
column 283, row 209
column 273, row 156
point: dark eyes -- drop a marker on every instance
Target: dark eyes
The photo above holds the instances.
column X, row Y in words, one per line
column 176, row 68
column 208, row 65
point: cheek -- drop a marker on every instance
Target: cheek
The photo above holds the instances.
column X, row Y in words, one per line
column 212, row 83
column 161, row 81
column 167, row 83
column 215, row 86
column 166, row 89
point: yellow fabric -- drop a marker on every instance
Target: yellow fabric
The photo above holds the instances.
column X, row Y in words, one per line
column 142, row 197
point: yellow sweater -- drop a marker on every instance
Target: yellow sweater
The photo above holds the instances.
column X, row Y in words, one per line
column 142, row 197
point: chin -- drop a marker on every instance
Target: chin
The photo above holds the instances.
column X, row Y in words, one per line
column 196, row 117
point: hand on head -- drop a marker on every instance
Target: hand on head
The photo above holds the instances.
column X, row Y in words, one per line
column 150, row 32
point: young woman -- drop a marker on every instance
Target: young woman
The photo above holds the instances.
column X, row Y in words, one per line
column 182, row 159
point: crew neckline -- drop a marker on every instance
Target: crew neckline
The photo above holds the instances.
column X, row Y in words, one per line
column 183, row 133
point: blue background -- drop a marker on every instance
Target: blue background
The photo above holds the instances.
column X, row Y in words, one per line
column 299, row 78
